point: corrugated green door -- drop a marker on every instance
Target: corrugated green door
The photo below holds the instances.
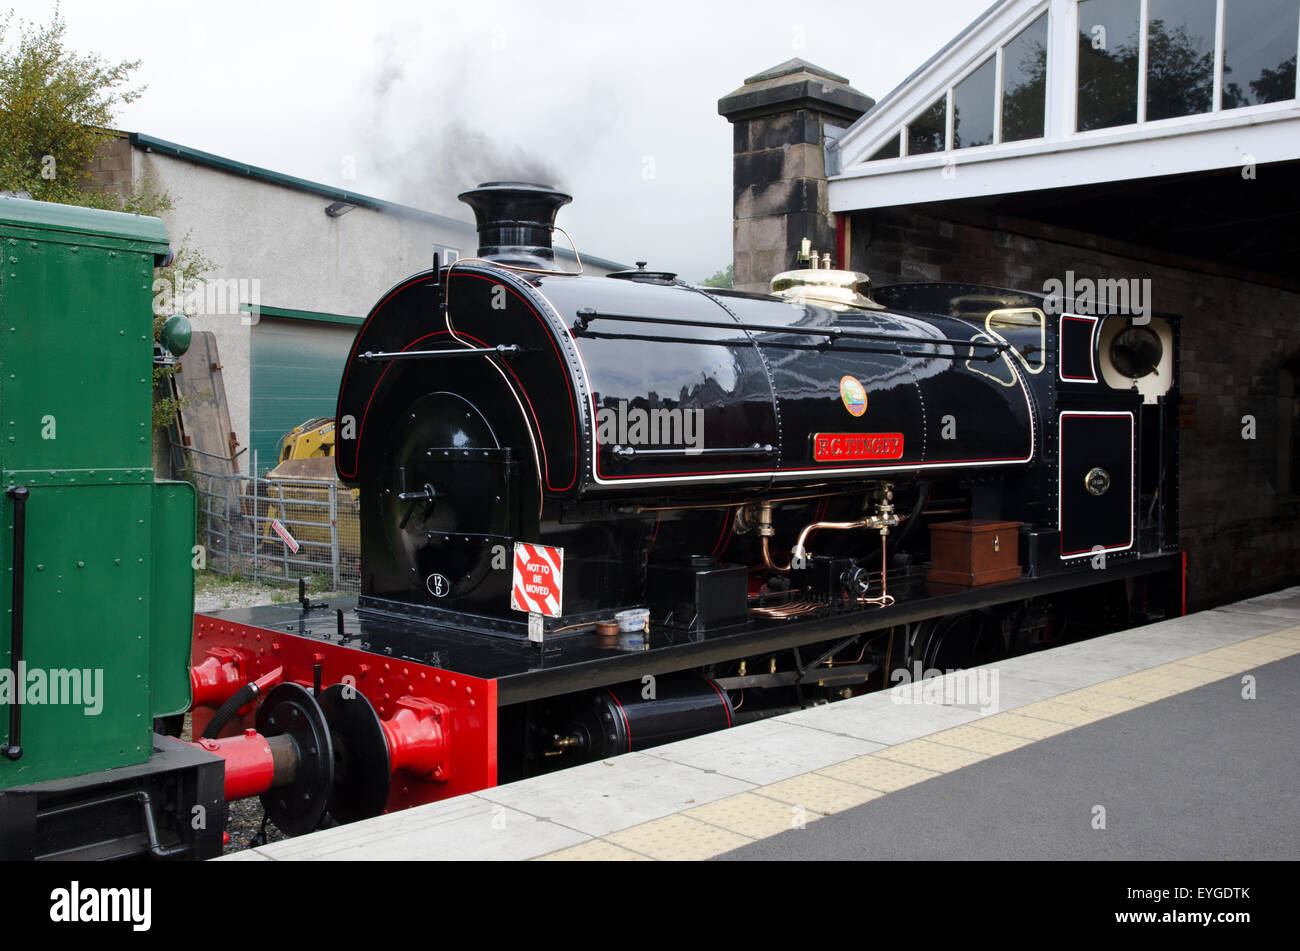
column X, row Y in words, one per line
column 296, row 368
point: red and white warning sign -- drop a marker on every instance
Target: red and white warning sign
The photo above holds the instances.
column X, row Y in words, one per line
column 278, row 527
column 538, row 576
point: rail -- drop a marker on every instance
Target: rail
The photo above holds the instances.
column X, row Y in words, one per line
column 832, row 335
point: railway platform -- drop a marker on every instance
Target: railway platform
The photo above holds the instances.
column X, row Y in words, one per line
column 1175, row 740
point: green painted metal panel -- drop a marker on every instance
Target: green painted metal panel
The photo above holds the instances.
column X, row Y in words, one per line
column 76, row 355
column 87, row 618
column 295, row 373
column 172, row 596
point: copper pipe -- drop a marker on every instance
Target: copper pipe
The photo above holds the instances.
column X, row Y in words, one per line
column 760, row 597
column 572, row 627
column 794, row 609
column 885, row 598
column 839, row 526
column 767, row 558
column 815, row 526
column 831, row 662
column 799, row 550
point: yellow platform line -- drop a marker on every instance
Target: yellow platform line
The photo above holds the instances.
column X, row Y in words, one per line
column 702, row 832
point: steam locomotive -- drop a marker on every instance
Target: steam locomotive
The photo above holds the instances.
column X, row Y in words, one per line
column 604, row 513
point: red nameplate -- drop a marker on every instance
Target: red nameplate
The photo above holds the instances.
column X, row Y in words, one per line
column 856, row 447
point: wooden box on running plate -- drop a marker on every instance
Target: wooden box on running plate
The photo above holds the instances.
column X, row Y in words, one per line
column 974, row 552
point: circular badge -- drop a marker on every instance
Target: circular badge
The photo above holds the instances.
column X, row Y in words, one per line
column 1097, row 481
column 439, row 585
column 854, row 395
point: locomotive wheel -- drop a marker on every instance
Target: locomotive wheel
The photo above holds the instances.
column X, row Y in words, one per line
column 362, row 767
column 296, row 808
column 958, row 642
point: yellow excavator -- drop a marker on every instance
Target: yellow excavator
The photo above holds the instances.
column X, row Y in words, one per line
column 307, row 453
column 313, row 439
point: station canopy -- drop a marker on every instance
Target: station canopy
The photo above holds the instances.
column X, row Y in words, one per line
column 1170, row 124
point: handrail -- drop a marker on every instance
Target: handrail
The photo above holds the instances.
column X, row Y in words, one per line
column 13, row 749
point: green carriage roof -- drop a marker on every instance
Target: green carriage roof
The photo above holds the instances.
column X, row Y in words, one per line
column 71, row 219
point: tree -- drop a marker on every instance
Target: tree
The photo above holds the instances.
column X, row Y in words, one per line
column 57, row 110
column 721, row 279
column 186, row 270
column 1025, row 100
column 1272, row 85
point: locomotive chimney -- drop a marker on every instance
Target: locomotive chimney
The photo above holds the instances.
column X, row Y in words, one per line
column 515, row 220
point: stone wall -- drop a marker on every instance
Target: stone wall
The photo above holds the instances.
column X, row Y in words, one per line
column 1240, row 339
column 780, row 195
column 783, row 119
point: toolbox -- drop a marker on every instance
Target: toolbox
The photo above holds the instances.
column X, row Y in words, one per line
column 974, row 552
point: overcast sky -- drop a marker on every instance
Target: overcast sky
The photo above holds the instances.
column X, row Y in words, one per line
column 616, row 102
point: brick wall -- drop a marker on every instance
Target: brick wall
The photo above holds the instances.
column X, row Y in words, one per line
column 110, row 169
column 1241, row 530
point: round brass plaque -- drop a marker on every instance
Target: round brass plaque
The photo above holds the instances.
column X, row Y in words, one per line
column 1097, row 481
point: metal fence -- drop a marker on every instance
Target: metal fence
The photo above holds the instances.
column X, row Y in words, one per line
column 278, row 529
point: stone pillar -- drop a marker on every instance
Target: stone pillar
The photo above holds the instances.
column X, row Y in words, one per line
column 779, row 169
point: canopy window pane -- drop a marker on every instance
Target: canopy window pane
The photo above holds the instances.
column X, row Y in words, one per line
column 1180, row 58
column 972, row 107
column 1259, row 50
column 1108, row 63
column 1024, row 83
column 925, row 132
column 888, row 150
